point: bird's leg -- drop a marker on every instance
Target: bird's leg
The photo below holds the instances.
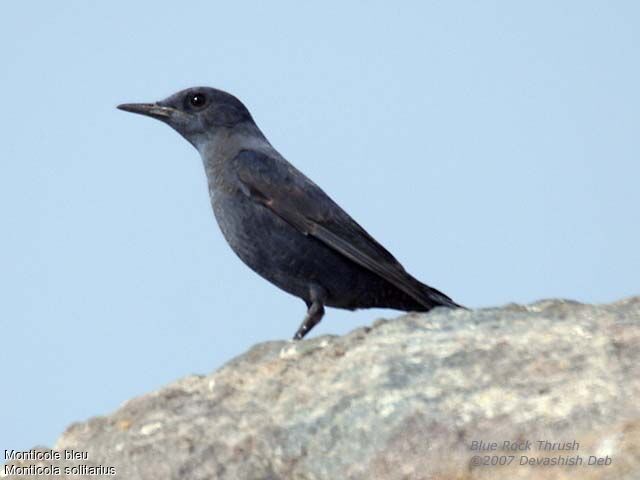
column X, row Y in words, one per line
column 311, row 319
column 315, row 312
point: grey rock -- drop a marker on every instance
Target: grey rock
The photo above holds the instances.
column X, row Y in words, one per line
column 403, row 399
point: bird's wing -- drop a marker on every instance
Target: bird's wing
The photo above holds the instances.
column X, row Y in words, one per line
column 287, row 192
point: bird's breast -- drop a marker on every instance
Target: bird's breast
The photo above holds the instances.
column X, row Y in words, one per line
column 276, row 250
column 260, row 238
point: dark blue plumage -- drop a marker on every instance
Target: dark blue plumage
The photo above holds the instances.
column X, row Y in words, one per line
column 280, row 223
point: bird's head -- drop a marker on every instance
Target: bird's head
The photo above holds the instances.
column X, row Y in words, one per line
column 195, row 113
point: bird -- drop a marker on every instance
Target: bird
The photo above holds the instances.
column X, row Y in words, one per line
column 279, row 222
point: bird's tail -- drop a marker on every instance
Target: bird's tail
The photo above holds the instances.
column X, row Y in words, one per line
column 440, row 298
column 430, row 298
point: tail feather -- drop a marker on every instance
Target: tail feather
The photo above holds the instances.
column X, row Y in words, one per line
column 442, row 299
column 437, row 298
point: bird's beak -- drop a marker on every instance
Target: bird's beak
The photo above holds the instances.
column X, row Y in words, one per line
column 149, row 109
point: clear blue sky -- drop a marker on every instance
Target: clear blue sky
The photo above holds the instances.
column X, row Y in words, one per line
column 493, row 147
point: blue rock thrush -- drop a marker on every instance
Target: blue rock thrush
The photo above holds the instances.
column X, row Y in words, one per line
column 280, row 223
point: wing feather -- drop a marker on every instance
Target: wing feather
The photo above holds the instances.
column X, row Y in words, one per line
column 287, row 192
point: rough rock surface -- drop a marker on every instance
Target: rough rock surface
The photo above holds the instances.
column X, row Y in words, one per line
column 404, row 399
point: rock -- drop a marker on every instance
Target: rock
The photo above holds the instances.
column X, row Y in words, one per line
column 413, row 398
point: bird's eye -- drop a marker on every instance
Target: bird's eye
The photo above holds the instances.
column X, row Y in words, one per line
column 197, row 100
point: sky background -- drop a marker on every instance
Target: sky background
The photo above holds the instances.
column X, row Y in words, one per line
column 493, row 147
